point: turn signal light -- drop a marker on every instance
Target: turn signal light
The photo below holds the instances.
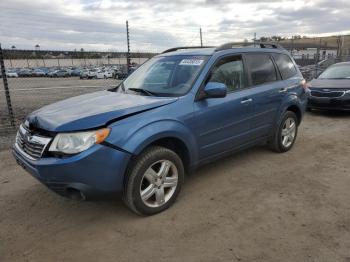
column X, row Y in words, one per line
column 304, row 84
column 101, row 135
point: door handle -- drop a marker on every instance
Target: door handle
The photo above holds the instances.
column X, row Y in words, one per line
column 283, row 90
column 245, row 101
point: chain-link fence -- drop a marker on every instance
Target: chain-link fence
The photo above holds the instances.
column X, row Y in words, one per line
column 32, row 79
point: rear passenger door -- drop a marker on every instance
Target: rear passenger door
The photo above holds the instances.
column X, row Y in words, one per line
column 289, row 74
column 266, row 91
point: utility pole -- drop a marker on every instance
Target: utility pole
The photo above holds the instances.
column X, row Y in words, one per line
column 128, row 44
column 254, row 38
column 338, row 45
column 317, row 58
column 200, row 34
column 341, row 45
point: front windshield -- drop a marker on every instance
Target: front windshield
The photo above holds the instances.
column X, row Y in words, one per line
column 167, row 75
column 336, row 72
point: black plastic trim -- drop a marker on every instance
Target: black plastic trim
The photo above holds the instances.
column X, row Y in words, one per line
column 105, row 143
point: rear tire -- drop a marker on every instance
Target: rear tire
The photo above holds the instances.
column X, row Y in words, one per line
column 153, row 181
column 286, row 134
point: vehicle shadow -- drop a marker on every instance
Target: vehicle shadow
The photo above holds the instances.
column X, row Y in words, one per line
column 330, row 113
column 236, row 160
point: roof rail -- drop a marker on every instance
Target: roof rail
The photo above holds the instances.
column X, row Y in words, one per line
column 270, row 45
column 184, row 47
column 248, row 44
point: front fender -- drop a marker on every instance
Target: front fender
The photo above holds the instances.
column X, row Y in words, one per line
column 137, row 140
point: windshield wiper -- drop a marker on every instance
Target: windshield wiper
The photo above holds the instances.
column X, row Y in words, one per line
column 141, row 90
column 115, row 89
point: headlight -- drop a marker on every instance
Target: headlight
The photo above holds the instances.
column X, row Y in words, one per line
column 347, row 91
column 72, row 143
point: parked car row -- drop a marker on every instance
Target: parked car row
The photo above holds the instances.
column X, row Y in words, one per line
column 98, row 73
column 102, row 72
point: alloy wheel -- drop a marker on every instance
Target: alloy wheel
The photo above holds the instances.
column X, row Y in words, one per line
column 288, row 132
column 159, row 183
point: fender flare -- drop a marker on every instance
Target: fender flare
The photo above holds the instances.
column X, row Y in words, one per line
column 167, row 128
column 290, row 100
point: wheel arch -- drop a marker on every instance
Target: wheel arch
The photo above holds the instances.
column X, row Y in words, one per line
column 167, row 133
column 296, row 110
column 292, row 103
column 175, row 144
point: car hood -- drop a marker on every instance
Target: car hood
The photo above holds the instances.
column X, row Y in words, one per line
column 330, row 83
column 92, row 110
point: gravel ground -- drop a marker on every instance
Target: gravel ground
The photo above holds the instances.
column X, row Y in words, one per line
column 252, row 206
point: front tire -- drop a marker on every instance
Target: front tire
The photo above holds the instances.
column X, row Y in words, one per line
column 286, row 134
column 153, row 181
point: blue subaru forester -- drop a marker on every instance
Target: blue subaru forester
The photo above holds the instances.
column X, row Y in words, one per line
column 181, row 109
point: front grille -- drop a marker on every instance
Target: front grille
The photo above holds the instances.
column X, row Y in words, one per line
column 327, row 94
column 31, row 145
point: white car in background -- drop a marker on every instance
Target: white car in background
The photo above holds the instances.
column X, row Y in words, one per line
column 92, row 73
column 104, row 74
column 11, row 73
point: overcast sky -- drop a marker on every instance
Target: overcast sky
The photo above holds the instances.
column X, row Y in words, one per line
column 159, row 24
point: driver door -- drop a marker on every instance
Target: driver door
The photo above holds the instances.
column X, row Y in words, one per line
column 223, row 124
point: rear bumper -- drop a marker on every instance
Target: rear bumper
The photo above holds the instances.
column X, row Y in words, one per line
column 325, row 103
column 97, row 172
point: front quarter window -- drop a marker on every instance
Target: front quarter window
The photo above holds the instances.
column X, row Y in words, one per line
column 166, row 76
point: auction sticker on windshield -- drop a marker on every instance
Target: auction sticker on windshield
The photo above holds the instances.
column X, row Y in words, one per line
column 191, row 62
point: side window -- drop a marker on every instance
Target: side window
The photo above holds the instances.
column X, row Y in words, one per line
column 261, row 67
column 285, row 65
column 230, row 72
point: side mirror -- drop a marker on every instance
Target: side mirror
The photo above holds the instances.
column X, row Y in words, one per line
column 215, row 90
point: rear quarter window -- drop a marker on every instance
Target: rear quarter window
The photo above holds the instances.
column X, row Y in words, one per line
column 262, row 69
column 285, row 65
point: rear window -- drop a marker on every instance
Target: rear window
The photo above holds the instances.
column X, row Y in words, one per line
column 285, row 65
column 262, row 69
